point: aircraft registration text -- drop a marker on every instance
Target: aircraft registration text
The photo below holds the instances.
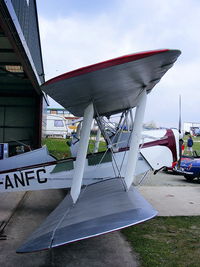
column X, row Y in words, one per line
column 22, row 179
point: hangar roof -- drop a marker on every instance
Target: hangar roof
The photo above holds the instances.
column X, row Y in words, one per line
column 21, row 71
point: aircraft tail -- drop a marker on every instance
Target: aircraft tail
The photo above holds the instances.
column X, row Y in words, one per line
column 162, row 152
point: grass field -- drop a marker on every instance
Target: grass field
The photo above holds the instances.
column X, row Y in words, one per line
column 166, row 241
column 57, row 147
column 60, row 149
column 163, row 241
column 196, row 145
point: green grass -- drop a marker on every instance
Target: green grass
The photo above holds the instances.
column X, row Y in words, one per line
column 102, row 146
column 59, row 148
column 196, row 145
column 167, row 241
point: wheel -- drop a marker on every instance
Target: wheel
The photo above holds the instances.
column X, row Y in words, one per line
column 165, row 169
column 189, row 178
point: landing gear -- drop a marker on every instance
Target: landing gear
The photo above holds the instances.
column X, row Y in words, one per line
column 189, row 178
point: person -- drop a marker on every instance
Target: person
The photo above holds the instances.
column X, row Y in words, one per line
column 182, row 146
column 189, row 145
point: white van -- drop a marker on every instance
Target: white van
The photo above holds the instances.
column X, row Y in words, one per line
column 56, row 126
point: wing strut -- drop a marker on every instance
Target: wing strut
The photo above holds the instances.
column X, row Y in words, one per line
column 82, row 152
column 135, row 140
column 96, row 146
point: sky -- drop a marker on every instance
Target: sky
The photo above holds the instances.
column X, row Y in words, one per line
column 77, row 33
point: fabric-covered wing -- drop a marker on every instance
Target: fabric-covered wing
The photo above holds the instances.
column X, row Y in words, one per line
column 102, row 207
column 113, row 85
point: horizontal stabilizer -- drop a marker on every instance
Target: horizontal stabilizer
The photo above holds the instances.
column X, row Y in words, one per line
column 101, row 208
column 37, row 156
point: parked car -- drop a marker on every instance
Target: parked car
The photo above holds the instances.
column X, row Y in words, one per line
column 189, row 167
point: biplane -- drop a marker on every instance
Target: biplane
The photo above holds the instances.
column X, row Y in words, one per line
column 102, row 196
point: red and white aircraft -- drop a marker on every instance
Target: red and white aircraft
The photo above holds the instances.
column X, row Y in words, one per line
column 102, row 194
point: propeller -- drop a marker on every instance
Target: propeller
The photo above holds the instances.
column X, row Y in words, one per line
column 180, row 133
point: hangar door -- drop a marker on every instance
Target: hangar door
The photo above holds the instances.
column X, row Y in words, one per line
column 21, row 73
column 17, row 121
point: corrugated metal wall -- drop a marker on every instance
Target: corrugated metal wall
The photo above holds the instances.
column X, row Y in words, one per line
column 17, row 120
column 21, row 100
column 27, row 16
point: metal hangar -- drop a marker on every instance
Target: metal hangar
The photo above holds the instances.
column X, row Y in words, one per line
column 21, row 73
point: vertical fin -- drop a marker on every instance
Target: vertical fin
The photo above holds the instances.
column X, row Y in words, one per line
column 82, row 152
column 135, row 140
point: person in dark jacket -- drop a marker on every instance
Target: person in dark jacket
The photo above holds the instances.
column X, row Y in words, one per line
column 189, row 145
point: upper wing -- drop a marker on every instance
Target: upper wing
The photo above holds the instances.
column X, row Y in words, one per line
column 113, row 85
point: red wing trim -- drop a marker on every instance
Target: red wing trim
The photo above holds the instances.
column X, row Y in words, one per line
column 105, row 64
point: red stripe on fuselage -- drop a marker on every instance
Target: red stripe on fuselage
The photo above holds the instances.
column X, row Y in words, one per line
column 168, row 140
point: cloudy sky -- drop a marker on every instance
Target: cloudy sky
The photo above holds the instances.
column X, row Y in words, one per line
column 76, row 33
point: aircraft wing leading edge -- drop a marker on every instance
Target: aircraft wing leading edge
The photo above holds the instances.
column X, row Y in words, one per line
column 102, row 207
column 111, row 86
